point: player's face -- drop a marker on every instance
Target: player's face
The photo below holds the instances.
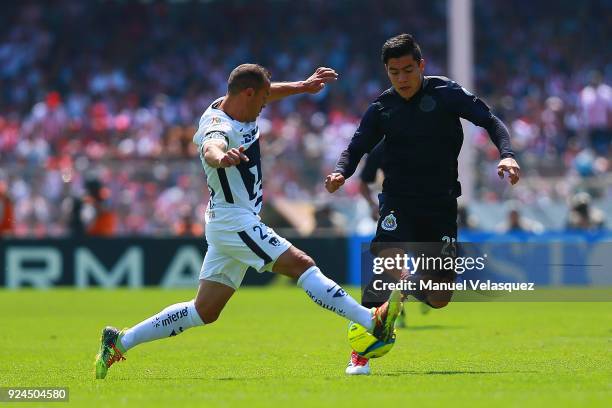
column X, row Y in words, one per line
column 258, row 101
column 405, row 75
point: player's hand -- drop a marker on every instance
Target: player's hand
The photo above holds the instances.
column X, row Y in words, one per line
column 333, row 182
column 233, row 157
column 510, row 166
column 317, row 81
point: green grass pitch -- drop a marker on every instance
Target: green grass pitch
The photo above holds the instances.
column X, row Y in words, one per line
column 272, row 346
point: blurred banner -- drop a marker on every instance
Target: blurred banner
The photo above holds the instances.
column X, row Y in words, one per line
column 176, row 262
column 134, row 262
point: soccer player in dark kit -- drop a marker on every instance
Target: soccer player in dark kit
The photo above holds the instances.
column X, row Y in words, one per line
column 419, row 119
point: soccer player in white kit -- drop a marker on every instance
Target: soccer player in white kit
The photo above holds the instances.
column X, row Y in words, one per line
column 228, row 142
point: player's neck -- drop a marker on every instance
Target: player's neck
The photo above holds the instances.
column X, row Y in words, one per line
column 234, row 109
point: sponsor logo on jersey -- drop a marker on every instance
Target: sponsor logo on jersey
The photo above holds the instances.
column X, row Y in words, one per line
column 389, row 223
column 274, row 241
column 215, row 120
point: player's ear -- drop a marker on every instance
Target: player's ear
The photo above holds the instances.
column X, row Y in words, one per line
column 249, row 92
column 422, row 65
column 387, row 70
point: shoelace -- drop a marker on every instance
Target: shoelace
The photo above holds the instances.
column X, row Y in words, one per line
column 117, row 356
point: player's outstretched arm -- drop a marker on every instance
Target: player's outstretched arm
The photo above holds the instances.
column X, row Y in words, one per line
column 472, row 108
column 216, row 156
column 333, row 182
column 312, row 85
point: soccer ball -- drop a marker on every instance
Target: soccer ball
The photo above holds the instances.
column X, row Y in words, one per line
column 365, row 344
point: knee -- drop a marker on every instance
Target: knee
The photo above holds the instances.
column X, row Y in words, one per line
column 439, row 298
column 302, row 263
column 293, row 263
column 207, row 314
column 305, row 264
column 437, row 304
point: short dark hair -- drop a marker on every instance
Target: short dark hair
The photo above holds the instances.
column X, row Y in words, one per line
column 247, row 76
column 399, row 46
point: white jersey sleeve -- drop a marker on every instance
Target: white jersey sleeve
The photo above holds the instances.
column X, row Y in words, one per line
column 212, row 127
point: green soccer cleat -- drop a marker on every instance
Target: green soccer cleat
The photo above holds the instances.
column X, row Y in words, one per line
column 385, row 315
column 110, row 352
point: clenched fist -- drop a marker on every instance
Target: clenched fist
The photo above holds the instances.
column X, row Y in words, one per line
column 510, row 166
column 333, row 182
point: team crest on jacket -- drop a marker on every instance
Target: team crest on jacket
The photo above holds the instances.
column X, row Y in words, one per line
column 427, row 104
column 389, row 223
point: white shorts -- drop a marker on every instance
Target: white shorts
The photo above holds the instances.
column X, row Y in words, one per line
column 230, row 254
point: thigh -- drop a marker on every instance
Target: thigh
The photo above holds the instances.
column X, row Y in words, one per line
column 221, row 268
column 421, row 231
column 440, row 232
column 395, row 227
column 437, row 227
column 416, row 220
column 258, row 246
column 405, row 224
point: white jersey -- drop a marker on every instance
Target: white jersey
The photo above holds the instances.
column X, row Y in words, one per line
column 236, row 192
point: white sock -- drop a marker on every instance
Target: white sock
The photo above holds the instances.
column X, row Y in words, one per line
column 171, row 321
column 329, row 295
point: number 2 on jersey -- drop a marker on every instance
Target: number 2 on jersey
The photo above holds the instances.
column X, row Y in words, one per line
column 262, row 234
column 251, row 175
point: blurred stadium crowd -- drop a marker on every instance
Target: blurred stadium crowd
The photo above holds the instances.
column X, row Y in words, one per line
column 99, row 102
